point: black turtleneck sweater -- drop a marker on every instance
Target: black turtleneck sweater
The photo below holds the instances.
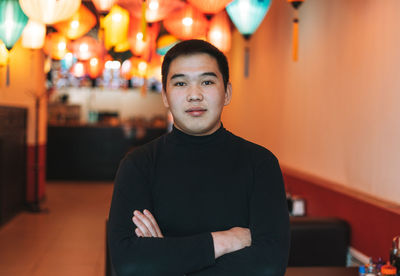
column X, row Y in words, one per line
column 195, row 185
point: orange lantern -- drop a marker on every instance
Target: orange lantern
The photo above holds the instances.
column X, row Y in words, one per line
column 77, row 25
column 116, row 25
column 78, row 69
column 95, row 67
column 139, row 45
column 219, row 33
column 210, row 6
column 49, row 11
column 56, row 45
column 86, row 47
column 156, row 10
column 33, row 35
column 187, row 23
column 103, row 6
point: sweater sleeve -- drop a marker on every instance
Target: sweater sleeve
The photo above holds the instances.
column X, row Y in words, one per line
column 269, row 227
column 131, row 255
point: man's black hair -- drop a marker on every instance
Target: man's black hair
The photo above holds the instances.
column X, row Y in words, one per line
column 191, row 47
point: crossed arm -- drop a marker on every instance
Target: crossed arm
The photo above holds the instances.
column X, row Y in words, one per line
column 225, row 242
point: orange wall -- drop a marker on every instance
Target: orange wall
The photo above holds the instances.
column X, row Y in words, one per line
column 335, row 113
column 26, row 78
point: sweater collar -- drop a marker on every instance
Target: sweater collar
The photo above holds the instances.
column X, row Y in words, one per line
column 179, row 137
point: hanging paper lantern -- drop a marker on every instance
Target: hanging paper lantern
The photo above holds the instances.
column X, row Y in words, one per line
column 68, row 61
column 126, row 69
column 4, row 54
column 156, row 10
column 95, row 67
column 78, row 70
column 210, row 6
column 85, row 48
column 12, row 22
column 139, row 45
column 165, row 42
column 247, row 15
column 56, row 45
column 219, row 33
column 49, row 11
column 33, row 35
column 296, row 4
column 103, row 6
column 187, row 23
column 79, row 24
column 116, row 25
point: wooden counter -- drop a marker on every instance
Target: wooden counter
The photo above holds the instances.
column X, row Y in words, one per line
column 91, row 152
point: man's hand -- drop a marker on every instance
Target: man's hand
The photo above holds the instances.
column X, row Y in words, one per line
column 231, row 240
column 146, row 225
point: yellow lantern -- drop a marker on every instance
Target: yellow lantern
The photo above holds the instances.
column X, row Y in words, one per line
column 56, row 45
column 33, row 35
column 116, row 25
column 219, row 33
column 49, row 11
column 3, row 54
column 79, row 24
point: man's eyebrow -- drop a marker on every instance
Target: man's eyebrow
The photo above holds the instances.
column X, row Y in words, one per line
column 209, row 74
column 174, row 76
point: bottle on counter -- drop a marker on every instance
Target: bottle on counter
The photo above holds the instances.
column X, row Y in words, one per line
column 388, row 270
column 361, row 270
column 370, row 269
column 395, row 254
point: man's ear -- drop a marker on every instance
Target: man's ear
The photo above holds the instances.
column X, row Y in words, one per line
column 164, row 98
column 228, row 94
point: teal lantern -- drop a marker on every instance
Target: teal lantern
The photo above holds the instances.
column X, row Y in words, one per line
column 247, row 15
column 12, row 23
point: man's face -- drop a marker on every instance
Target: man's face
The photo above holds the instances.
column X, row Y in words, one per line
column 195, row 94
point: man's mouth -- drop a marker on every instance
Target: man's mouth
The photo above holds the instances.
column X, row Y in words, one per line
column 196, row 111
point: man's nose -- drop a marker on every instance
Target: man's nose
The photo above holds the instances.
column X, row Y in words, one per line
column 194, row 94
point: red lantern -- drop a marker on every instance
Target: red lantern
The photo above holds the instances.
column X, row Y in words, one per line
column 156, row 10
column 56, row 45
column 219, row 33
column 210, row 6
column 77, row 25
column 139, row 45
column 187, row 23
column 86, row 47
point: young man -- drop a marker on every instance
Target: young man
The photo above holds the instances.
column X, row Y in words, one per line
column 199, row 200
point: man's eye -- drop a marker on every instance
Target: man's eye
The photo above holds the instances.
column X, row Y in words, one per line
column 179, row 83
column 208, row 82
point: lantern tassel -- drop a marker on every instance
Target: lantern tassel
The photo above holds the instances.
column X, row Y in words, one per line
column 143, row 21
column 295, row 39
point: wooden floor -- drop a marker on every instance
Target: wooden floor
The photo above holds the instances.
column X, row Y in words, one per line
column 68, row 240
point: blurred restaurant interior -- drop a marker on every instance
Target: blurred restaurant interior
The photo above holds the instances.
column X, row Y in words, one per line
column 317, row 82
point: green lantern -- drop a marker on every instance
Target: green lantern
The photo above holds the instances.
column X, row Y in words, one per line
column 12, row 23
